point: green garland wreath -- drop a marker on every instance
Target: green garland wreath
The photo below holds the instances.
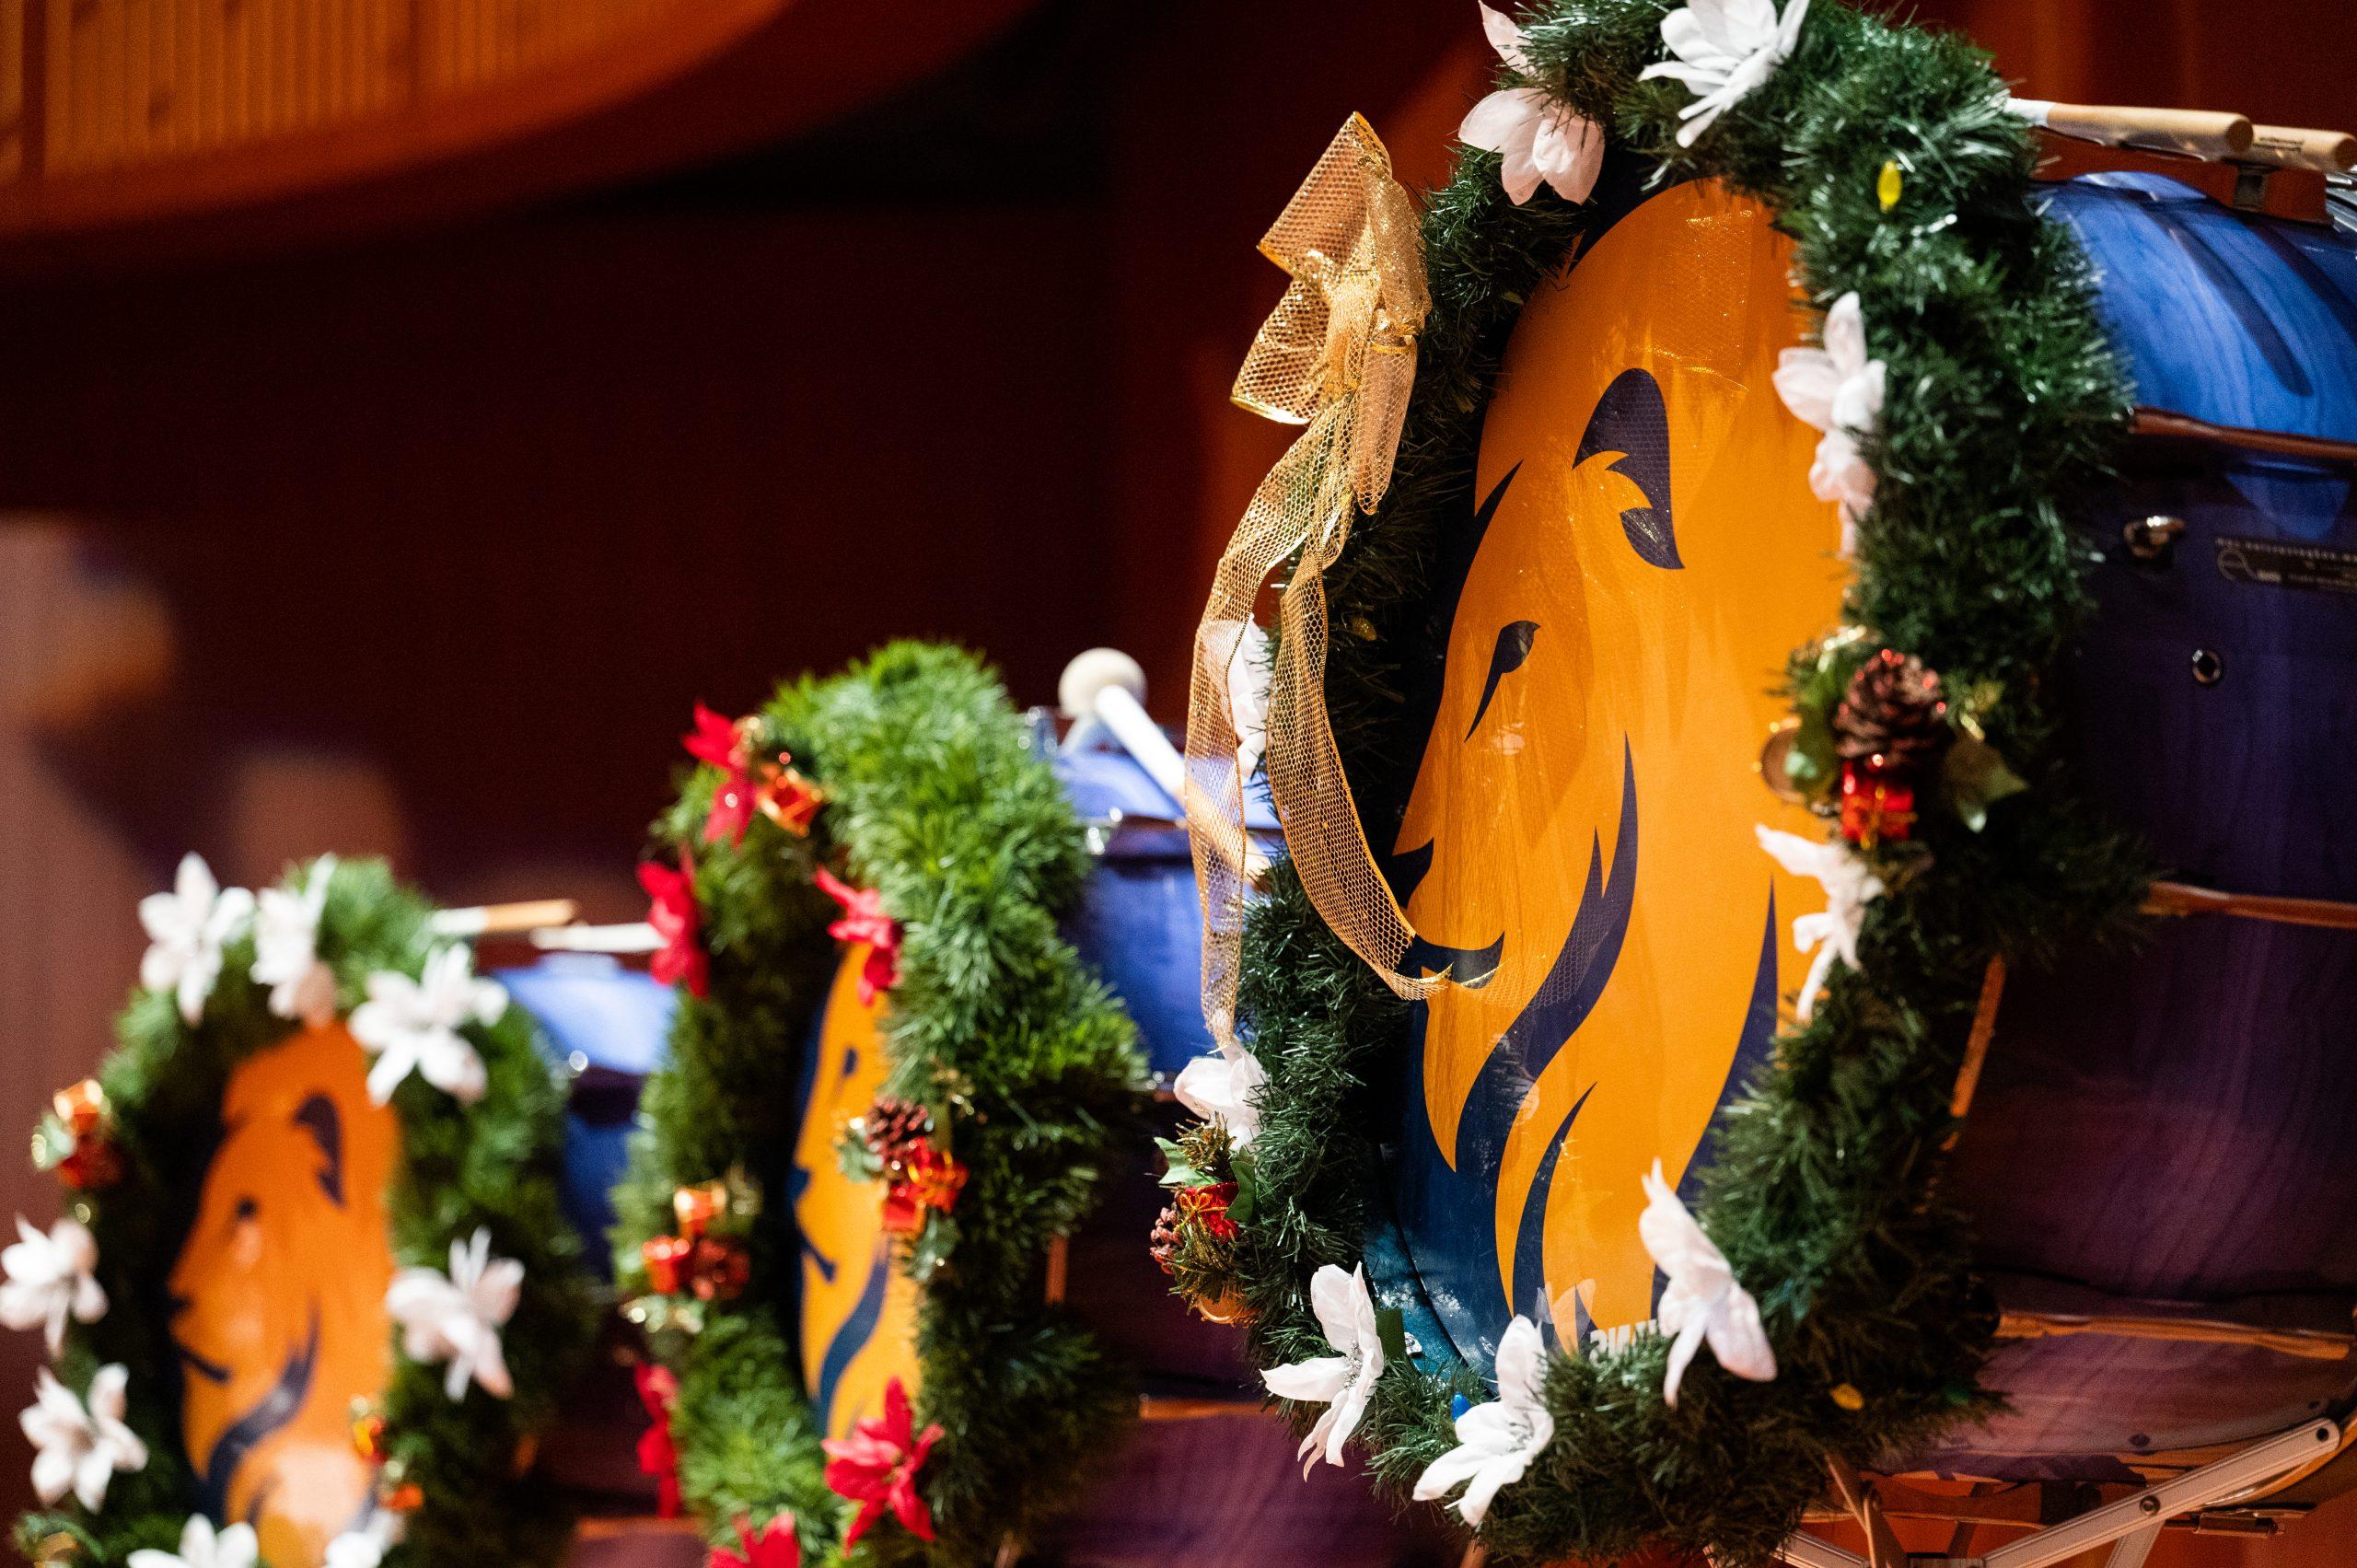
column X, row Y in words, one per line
column 933, row 798
column 1889, row 155
column 134, row 1146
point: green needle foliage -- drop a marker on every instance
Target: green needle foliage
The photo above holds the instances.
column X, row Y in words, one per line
column 492, row 1163
column 936, row 797
column 2002, row 400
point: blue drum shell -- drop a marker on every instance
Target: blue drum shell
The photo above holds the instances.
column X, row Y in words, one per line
column 608, row 1027
column 1214, row 1489
column 2168, row 1132
column 1139, row 925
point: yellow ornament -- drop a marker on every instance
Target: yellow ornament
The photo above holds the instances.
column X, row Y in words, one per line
column 1889, row 185
column 1848, row 1397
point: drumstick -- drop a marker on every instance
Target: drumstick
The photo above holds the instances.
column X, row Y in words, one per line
column 636, row 936
column 506, row 920
column 2199, row 133
column 1108, row 685
column 2326, row 152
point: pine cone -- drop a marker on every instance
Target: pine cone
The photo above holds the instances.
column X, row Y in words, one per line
column 1165, row 1239
column 1893, row 711
column 895, row 1128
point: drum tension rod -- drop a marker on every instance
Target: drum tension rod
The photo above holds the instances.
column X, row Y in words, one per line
column 2151, row 539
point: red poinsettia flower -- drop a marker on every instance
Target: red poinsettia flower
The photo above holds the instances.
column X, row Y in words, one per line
column 659, row 1390
column 864, row 920
column 680, row 960
column 775, row 1547
column 717, row 739
column 720, row 743
column 877, row 1466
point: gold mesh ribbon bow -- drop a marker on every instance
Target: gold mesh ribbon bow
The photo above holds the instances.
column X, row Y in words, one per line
column 1339, row 355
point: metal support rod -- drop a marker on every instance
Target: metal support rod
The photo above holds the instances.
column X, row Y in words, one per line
column 2158, row 1504
column 2134, row 1521
column 2130, row 1551
column 1805, row 1550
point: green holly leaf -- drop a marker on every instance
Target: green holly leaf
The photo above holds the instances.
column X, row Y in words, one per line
column 1182, row 1171
column 1976, row 779
column 1391, row 1330
column 1247, row 1188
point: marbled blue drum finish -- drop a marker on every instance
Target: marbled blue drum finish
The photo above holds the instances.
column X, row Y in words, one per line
column 2171, row 1130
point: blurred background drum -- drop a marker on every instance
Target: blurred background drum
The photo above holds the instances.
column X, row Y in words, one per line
column 1208, row 1476
column 607, row 1028
column 2159, row 1158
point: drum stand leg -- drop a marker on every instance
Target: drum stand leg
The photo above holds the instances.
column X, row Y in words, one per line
column 2134, row 1522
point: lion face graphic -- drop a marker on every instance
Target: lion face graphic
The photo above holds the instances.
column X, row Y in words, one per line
column 279, row 1295
column 859, row 1313
column 1578, row 850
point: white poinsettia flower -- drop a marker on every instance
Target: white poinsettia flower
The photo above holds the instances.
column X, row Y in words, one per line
column 202, row 1548
column 1725, row 48
column 366, row 1547
column 1850, row 886
column 187, row 928
column 1248, row 670
column 1496, row 1442
column 1838, row 390
column 286, row 948
column 1539, row 137
column 413, row 1025
column 51, row 1276
column 1702, row 1303
column 1222, row 1090
column 1341, row 1382
column 457, row 1317
column 78, row 1447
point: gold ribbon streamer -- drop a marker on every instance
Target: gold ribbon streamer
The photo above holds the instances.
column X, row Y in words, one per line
column 1339, row 355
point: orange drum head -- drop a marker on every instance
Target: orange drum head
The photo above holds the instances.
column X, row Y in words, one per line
column 859, row 1312
column 1580, row 839
column 279, row 1295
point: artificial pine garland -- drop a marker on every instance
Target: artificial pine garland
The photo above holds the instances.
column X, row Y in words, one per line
column 454, row 1471
column 1889, row 155
column 933, row 798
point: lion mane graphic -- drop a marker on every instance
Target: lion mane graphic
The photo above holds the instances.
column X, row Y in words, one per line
column 1578, row 848
column 278, row 1295
column 857, row 1309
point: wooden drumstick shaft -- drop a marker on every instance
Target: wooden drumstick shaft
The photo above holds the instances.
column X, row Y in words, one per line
column 2326, row 152
column 506, row 920
column 2199, row 133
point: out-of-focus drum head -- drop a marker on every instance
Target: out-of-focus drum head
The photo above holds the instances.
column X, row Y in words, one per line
column 608, row 1027
column 858, row 1311
column 279, row 1295
column 1579, row 845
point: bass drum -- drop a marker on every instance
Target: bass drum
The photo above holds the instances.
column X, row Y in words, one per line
column 2158, row 1160
column 1578, row 844
column 1207, row 1478
column 2160, row 1153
